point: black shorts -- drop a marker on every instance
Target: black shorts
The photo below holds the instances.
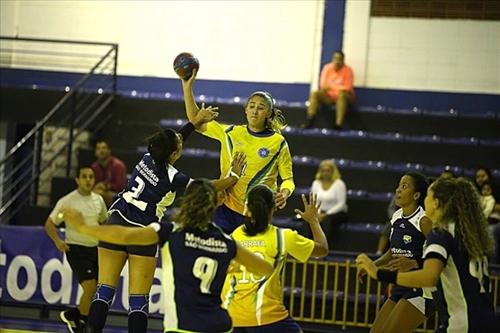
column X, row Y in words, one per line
column 139, row 250
column 83, row 262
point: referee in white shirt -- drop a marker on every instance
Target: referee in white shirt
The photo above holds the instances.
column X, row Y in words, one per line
column 81, row 250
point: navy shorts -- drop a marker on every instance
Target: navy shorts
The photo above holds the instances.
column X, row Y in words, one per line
column 139, row 250
column 83, row 262
column 287, row 325
column 227, row 219
column 415, row 297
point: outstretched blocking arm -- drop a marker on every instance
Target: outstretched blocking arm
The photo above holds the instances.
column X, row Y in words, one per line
column 111, row 233
column 203, row 116
column 237, row 167
column 253, row 263
column 311, row 216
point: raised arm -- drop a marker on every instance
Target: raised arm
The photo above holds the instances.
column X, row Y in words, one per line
column 189, row 101
column 203, row 116
column 237, row 167
column 311, row 216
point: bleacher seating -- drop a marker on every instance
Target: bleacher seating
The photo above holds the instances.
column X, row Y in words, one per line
column 380, row 145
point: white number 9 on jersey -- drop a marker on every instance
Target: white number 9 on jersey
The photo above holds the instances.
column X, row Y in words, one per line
column 204, row 268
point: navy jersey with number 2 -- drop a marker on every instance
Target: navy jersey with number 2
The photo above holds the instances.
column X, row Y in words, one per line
column 465, row 285
column 149, row 192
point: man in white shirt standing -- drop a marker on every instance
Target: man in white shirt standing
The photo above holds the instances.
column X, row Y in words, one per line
column 81, row 250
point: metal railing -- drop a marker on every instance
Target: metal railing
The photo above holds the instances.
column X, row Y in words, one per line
column 326, row 292
column 77, row 111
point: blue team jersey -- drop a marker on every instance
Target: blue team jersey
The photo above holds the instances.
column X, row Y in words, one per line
column 406, row 237
column 465, row 285
column 194, row 266
column 149, row 192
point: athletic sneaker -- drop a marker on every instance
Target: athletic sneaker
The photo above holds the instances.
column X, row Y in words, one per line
column 72, row 319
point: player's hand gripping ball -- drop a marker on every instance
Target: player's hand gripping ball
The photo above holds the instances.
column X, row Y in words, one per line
column 184, row 64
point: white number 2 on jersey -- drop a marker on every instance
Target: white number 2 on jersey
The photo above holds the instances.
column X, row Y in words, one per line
column 131, row 196
column 479, row 269
column 204, row 268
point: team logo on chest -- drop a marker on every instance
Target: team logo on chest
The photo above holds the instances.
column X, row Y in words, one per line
column 263, row 152
column 407, row 239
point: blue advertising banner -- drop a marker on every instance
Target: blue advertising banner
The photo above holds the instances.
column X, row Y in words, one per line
column 32, row 270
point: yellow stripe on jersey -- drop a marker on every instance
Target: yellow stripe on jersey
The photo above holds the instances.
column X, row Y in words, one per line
column 253, row 300
column 267, row 157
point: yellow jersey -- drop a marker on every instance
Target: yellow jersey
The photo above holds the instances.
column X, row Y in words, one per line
column 267, row 156
column 253, row 300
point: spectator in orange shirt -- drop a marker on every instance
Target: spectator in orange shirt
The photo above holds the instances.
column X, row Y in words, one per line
column 110, row 172
column 335, row 86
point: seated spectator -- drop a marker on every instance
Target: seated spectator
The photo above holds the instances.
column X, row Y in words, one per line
column 487, row 199
column 332, row 195
column 335, row 87
column 110, row 172
column 482, row 176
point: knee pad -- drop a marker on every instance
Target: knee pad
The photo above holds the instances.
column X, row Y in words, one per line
column 139, row 303
column 105, row 294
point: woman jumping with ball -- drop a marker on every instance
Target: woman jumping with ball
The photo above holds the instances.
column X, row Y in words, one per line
column 260, row 140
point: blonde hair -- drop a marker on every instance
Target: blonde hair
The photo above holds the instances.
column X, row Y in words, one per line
column 460, row 203
column 276, row 121
column 335, row 171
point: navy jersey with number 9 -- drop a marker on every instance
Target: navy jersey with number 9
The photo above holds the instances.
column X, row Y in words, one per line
column 194, row 266
column 465, row 285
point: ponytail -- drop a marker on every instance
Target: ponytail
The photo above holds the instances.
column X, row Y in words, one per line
column 161, row 145
column 420, row 184
column 260, row 203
